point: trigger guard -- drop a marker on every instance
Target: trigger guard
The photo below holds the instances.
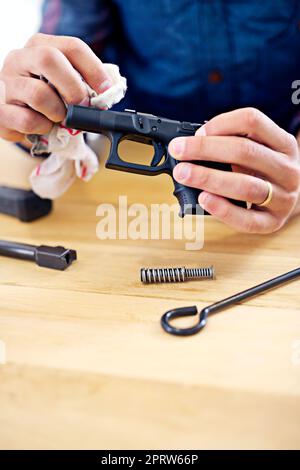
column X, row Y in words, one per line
column 115, row 162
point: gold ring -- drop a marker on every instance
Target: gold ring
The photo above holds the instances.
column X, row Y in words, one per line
column 269, row 197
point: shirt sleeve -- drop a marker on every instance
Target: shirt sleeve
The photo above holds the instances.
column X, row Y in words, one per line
column 89, row 20
column 295, row 125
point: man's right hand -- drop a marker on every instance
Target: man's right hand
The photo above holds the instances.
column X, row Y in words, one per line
column 29, row 105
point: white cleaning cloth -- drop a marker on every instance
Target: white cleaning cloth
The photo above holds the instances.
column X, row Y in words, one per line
column 69, row 155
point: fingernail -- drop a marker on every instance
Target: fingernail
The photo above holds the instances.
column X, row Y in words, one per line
column 2, row 92
column 177, row 146
column 201, row 131
column 204, row 198
column 183, row 171
column 105, row 86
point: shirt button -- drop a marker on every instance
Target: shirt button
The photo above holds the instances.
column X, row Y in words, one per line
column 215, row 77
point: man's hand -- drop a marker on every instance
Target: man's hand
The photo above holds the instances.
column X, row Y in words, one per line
column 258, row 150
column 31, row 106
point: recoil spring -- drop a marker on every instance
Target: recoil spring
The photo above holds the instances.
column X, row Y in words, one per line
column 181, row 274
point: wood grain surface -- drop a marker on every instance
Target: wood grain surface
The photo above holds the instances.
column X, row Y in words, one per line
column 88, row 365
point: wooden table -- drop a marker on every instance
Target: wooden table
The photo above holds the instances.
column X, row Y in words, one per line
column 88, row 365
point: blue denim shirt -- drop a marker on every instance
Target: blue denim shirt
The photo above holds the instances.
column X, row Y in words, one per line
column 192, row 59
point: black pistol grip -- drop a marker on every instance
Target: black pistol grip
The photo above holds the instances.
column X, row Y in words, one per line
column 187, row 199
